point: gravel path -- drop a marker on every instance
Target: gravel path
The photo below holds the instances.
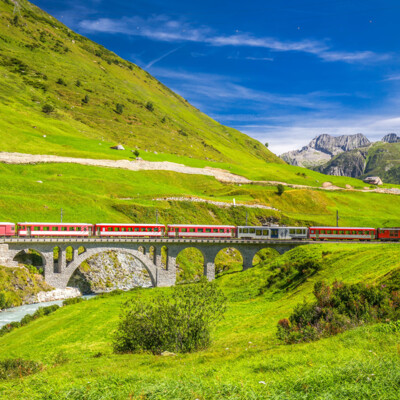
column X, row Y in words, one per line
column 141, row 165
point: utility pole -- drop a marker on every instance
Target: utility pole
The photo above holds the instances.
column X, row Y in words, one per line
column 61, row 214
column 156, row 216
column 337, row 218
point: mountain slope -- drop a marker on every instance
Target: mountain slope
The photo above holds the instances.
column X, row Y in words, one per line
column 60, row 93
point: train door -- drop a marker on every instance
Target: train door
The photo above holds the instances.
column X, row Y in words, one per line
column 28, row 231
column 274, row 233
column 177, row 232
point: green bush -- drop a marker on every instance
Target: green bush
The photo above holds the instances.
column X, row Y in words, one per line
column 73, row 300
column 17, row 368
column 337, row 309
column 119, row 108
column 2, row 300
column 181, row 322
column 47, row 109
column 150, row 106
column 280, row 188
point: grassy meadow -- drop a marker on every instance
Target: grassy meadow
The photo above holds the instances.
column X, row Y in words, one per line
column 245, row 360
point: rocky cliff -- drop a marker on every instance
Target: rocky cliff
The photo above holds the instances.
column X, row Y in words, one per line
column 323, row 148
column 110, row 271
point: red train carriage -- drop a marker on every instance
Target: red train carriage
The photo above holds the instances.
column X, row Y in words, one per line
column 131, row 230
column 386, row 234
column 7, row 229
column 212, row 231
column 340, row 233
column 54, row 229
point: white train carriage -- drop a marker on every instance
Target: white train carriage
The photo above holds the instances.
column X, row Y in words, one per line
column 272, row 232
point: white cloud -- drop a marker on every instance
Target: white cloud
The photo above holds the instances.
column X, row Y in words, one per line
column 162, row 28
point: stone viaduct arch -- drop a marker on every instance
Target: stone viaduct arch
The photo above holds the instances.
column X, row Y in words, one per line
column 146, row 251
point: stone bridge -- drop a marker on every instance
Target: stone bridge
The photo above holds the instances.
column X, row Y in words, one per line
column 57, row 273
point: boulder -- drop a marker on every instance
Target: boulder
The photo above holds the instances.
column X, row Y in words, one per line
column 118, row 147
column 373, row 180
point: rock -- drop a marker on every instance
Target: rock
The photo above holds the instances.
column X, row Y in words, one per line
column 44, row 136
column 167, row 354
column 349, row 187
column 326, row 184
column 58, row 294
column 39, row 182
column 391, row 138
column 373, row 180
column 118, row 147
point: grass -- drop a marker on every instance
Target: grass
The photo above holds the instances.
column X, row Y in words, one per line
column 362, row 363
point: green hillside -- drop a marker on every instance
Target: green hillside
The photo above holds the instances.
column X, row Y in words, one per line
column 60, row 93
column 245, row 361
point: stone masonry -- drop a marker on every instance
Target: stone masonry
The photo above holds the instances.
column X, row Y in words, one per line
column 57, row 274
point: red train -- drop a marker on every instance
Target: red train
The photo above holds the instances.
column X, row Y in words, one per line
column 47, row 229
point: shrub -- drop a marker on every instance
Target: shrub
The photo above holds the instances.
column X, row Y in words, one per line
column 136, row 153
column 150, row 106
column 280, row 189
column 73, row 300
column 119, row 108
column 60, row 81
column 47, row 109
column 86, row 99
column 181, row 322
column 337, row 309
column 17, row 368
column 78, row 83
column 2, row 300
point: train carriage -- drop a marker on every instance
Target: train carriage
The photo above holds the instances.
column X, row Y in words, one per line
column 54, row 229
column 341, row 233
column 7, row 229
column 272, row 232
column 130, row 230
column 388, row 234
column 201, row 231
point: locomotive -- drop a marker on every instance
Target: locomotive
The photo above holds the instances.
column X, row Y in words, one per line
column 60, row 229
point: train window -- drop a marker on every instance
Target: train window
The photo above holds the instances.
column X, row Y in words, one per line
column 215, row 230
column 252, row 230
column 322, row 232
column 78, row 228
column 208, row 230
column 298, row 231
column 222, row 231
column 130, row 229
column 63, row 228
column 245, row 231
column 109, row 229
column 184, row 230
column 36, row 228
column 45, row 228
column 312, row 231
column 54, row 228
column 265, row 232
column 191, row 230
column 258, row 232
column 292, row 231
column 136, row 229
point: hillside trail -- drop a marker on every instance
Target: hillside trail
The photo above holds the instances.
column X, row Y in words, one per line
column 221, row 175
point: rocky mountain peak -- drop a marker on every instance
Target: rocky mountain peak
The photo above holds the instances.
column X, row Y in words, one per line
column 391, row 138
column 334, row 145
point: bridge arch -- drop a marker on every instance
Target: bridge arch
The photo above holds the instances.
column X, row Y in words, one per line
column 265, row 254
column 235, row 265
column 30, row 254
column 144, row 260
column 190, row 264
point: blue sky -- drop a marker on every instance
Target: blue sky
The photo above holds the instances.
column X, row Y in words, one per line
column 282, row 71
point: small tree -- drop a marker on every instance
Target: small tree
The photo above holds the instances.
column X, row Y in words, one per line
column 150, row 106
column 266, row 144
column 280, row 189
column 119, row 108
column 181, row 322
column 136, row 153
column 85, row 99
column 47, row 109
column 78, row 83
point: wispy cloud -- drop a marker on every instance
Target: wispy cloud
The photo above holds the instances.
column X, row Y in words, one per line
column 163, row 28
column 156, row 60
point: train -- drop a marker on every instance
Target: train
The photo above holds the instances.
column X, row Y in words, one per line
column 112, row 230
